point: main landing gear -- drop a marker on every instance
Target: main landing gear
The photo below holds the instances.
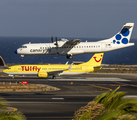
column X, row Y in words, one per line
column 53, row 77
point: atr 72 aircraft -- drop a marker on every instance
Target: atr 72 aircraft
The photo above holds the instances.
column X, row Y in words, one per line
column 75, row 47
column 58, row 69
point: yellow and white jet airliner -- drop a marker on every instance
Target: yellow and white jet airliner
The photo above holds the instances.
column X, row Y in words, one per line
column 57, row 69
column 68, row 48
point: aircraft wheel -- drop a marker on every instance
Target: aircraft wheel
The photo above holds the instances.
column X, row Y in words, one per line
column 22, row 56
column 57, row 53
column 54, row 77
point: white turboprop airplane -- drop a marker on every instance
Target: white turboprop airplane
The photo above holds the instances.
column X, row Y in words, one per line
column 68, row 48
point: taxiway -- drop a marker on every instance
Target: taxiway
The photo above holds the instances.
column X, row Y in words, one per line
column 74, row 93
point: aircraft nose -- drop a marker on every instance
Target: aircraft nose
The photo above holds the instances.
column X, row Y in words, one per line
column 4, row 70
column 15, row 51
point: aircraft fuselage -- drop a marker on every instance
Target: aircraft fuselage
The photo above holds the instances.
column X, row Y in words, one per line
column 81, row 48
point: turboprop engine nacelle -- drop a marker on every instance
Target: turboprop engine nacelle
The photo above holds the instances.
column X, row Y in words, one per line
column 43, row 74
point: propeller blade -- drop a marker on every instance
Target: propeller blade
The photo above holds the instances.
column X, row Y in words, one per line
column 56, row 42
column 52, row 39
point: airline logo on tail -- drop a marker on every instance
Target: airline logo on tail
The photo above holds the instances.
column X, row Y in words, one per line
column 95, row 58
column 123, row 36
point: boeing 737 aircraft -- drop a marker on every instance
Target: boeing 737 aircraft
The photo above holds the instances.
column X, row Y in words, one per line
column 57, row 70
column 75, row 47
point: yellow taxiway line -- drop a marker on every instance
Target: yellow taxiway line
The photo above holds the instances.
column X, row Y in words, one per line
column 125, row 84
column 11, row 109
column 59, row 117
column 101, row 87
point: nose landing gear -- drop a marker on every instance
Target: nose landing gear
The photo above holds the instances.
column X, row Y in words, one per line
column 22, row 56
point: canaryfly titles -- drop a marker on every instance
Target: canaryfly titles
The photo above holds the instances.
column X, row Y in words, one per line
column 37, row 50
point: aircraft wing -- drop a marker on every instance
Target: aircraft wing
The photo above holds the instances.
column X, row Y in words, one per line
column 73, row 42
column 59, row 71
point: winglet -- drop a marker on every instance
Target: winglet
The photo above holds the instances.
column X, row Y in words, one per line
column 69, row 68
column 67, row 62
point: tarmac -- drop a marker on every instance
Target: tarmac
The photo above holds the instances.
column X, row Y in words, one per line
column 75, row 92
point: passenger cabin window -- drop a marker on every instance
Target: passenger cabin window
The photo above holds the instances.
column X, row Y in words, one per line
column 44, row 68
column 23, row 47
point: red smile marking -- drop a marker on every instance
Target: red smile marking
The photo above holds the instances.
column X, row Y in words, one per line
column 97, row 60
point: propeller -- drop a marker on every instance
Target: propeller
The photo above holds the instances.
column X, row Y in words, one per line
column 56, row 41
column 52, row 39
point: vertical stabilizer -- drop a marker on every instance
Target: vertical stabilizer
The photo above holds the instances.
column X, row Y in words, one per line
column 96, row 60
column 123, row 36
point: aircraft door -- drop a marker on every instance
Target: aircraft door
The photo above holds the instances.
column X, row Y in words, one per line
column 48, row 49
column 86, row 69
column 15, row 69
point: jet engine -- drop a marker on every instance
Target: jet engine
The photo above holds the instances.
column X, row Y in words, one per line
column 43, row 74
column 69, row 56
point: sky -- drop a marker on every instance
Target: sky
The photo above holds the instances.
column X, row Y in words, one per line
column 66, row 18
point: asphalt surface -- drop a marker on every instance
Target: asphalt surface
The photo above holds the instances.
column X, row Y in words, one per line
column 74, row 93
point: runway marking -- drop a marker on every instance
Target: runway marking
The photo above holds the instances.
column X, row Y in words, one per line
column 21, row 92
column 61, row 93
column 134, row 85
column 61, row 117
column 57, row 98
column 76, row 92
column 11, row 109
column 120, row 83
column 106, row 79
column 89, row 79
column 125, row 84
column 101, row 87
column 131, row 96
column 16, row 102
column 38, row 98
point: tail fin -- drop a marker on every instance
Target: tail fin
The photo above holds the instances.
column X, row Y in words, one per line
column 96, row 60
column 123, row 36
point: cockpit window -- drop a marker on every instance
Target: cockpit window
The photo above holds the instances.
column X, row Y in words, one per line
column 23, row 46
